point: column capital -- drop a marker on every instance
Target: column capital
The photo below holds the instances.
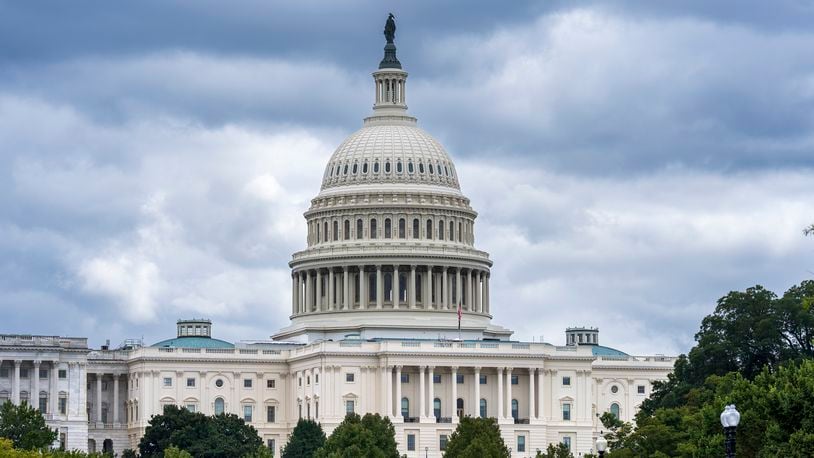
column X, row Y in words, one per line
column 454, row 368
column 477, row 368
column 18, row 362
column 37, row 362
column 413, row 266
column 399, row 367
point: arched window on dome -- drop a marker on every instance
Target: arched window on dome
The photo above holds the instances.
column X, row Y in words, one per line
column 432, row 172
column 346, row 231
column 421, row 167
column 614, row 410
column 451, row 231
column 441, row 230
column 325, row 231
column 364, row 168
column 387, row 228
column 460, row 230
column 330, row 171
column 317, row 238
column 387, row 166
column 336, row 231
column 410, row 168
column 338, row 168
column 345, row 169
column 376, row 167
column 402, row 228
column 429, row 229
column 415, row 228
column 373, row 228
column 446, row 170
column 360, row 230
column 399, row 167
column 355, row 168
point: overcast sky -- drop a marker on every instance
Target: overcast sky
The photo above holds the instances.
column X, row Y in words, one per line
column 631, row 162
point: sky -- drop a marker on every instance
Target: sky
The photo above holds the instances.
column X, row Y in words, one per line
column 631, row 162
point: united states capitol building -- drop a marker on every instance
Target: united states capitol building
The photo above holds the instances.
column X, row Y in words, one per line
column 375, row 326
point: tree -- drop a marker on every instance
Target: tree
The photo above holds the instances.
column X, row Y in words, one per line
column 369, row 436
column 809, row 230
column 25, row 427
column 175, row 452
column 476, row 437
column 306, row 438
column 556, row 451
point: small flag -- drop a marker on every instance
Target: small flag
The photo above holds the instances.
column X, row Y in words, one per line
column 460, row 314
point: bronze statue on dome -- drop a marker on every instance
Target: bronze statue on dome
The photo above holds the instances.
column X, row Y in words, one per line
column 390, row 28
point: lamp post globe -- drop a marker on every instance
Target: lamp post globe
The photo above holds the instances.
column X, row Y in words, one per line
column 730, row 418
column 601, row 445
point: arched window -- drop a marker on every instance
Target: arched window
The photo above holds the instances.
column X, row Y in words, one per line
column 483, row 408
column 364, row 167
column 325, row 231
column 373, row 228
column 432, row 172
column 219, row 406
column 459, row 407
column 429, row 229
column 345, row 170
column 338, row 167
column 402, row 228
column 440, row 230
column 331, row 172
column 346, row 232
column 387, row 228
column 614, row 410
column 451, row 231
column 405, row 407
column 399, row 167
column 410, row 168
column 460, row 230
column 515, row 410
column 436, row 408
column 446, row 170
column 415, row 228
column 387, row 167
column 355, row 168
column 336, row 231
column 376, row 167
column 318, row 239
column 420, row 167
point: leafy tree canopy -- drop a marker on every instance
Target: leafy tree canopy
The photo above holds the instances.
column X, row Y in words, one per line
column 25, row 427
column 556, row 451
column 306, row 438
column 476, row 437
column 371, row 436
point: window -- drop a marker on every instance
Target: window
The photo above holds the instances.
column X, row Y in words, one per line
column 219, row 382
column 270, row 383
column 167, row 381
column 436, row 378
column 355, row 168
column 299, row 411
column 483, row 379
column 325, row 231
column 359, row 229
column 219, row 406
column 459, row 379
column 308, row 411
column 410, row 167
column 190, row 383
column 614, row 410
column 483, row 408
column 387, row 228
column 451, row 231
column 345, row 169
column 566, row 381
column 459, row 407
column 373, row 229
column 271, row 443
column 63, row 373
column 43, row 373
column 349, row 408
column 442, row 442
column 308, row 380
column 192, row 408
column 429, row 229
column 247, row 383
column 566, row 440
column 432, row 172
column 364, row 167
column 402, row 228
column 460, row 230
column 43, row 404
column 436, row 407
column 415, row 228
column 399, row 167
column 440, row 230
column 515, row 380
column 4, row 372
column 316, row 379
column 299, row 381
column 349, row 377
column 387, row 167
column 63, row 404
column 405, row 378
column 23, row 372
column 515, row 409
column 640, row 389
column 336, row 231
column 420, row 167
column 376, row 167
column 521, row 443
column 405, row 407
column 411, row 442
column 346, row 231
column 271, row 414
column 247, row 414
column 566, row 412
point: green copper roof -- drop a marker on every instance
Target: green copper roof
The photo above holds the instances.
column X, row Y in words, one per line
column 599, row 350
column 194, row 342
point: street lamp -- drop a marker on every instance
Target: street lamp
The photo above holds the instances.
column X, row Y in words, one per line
column 601, row 445
column 426, row 452
column 730, row 418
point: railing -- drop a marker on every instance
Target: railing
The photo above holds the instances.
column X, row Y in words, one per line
column 489, row 345
column 271, row 352
column 520, row 346
column 410, row 344
column 521, row 421
column 221, row 350
column 43, row 341
column 245, row 351
column 190, row 350
column 350, row 343
column 410, row 419
column 442, row 344
column 443, row 419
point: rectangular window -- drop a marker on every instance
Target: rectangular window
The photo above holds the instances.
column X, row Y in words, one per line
column 436, row 378
column 521, row 443
column 167, row 381
column 271, row 414
column 104, row 386
column 270, row 443
column 349, row 408
column 270, row 383
column 566, row 381
column 247, row 383
column 459, row 379
column 349, row 377
column 43, row 404
column 192, row 408
column 299, row 381
column 515, row 380
column 190, row 382
column 316, row 379
column 405, row 378
column 411, row 442
column 247, row 414
column 4, row 372
column 566, row 412
column 63, row 405
column 442, row 442
column 63, row 373
column 483, row 380
column 23, row 373
column 43, row 373
column 567, row 441
column 640, row 389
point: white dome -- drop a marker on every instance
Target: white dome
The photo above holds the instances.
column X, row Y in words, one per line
column 390, row 153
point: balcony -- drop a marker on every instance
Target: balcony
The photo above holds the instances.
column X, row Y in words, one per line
column 443, row 419
column 410, row 419
column 521, row 421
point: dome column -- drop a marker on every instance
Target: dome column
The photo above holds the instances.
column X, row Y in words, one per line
column 379, row 288
column 458, row 288
column 478, row 293
column 469, row 290
column 293, row 293
column 363, row 289
column 411, row 289
column 427, row 299
column 331, row 285
column 444, row 288
column 318, row 301
column 395, row 288
column 346, row 288
column 486, row 305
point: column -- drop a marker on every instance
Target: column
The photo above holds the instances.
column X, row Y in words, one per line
column 53, row 390
column 293, row 294
column 422, row 402
column 454, row 383
column 508, row 392
column 346, row 289
column 363, row 288
column 411, row 288
column 541, row 394
column 476, row 403
column 486, row 306
column 469, row 289
column 478, row 293
column 427, row 289
column 499, row 393
column 531, row 394
column 15, row 384
column 116, row 398
column 431, row 390
column 301, row 292
column 398, row 392
column 444, row 288
column 389, row 390
column 98, row 397
column 331, row 289
column 379, row 287
column 458, row 288
column 307, row 307
column 319, row 291
column 34, row 397
column 396, row 287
